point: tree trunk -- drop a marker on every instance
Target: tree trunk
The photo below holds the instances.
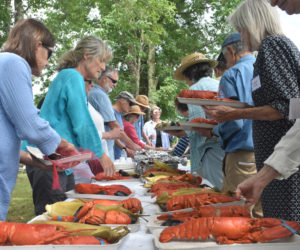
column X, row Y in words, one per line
column 18, row 10
column 151, row 71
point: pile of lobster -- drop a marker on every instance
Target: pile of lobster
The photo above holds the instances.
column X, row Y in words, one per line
column 117, row 190
column 201, row 94
column 57, row 234
column 229, row 230
column 175, row 218
column 121, row 175
column 96, row 212
column 203, row 120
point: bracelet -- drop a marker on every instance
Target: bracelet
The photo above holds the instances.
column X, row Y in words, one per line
column 124, row 148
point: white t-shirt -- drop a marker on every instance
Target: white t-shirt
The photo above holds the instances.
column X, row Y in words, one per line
column 99, row 123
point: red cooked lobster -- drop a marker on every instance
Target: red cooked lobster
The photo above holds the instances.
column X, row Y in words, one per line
column 197, row 200
column 87, row 188
column 208, row 211
column 13, row 233
column 203, row 120
column 229, row 230
column 90, row 214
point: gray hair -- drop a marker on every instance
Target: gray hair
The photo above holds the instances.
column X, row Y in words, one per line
column 90, row 45
column 108, row 71
column 257, row 17
column 238, row 47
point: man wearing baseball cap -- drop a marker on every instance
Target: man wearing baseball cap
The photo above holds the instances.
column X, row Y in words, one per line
column 236, row 136
column 123, row 102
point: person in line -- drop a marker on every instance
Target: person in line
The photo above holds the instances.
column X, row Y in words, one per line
column 99, row 99
column 236, row 136
column 123, row 102
column 276, row 80
column 143, row 103
column 290, row 6
column 221, row 66
column 129, row 119
column 206, row 153
column 113, row 134
column 25, row 53
column 159, row 139
column 66, row 109
column 285, row 160
column 181, row 147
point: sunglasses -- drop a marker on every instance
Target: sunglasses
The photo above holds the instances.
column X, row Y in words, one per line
column 113, row 80
column 88, row 81
column 49, row 49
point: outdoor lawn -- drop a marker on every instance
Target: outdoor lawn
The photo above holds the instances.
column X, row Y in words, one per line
column 21, row 207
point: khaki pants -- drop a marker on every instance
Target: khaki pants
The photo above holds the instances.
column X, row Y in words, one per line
column 237, row 167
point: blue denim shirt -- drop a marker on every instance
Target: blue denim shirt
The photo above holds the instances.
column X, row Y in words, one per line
column 198, row 143
column 101, row 102
column 236, row 81
column 19, row 120
column 117, row 150
column 138, row 125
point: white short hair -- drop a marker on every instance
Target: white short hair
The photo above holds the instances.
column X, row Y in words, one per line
column 257, row 17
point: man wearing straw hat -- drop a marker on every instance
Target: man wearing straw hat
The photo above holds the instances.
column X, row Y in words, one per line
column 206, row 154
column 143, row 103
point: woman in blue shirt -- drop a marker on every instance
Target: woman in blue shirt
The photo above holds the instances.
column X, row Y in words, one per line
column 206, row 153
column 66, row 109
column 25, row 53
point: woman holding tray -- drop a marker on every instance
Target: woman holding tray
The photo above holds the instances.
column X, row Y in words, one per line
column 276, row 80
column 25, row 53
column 206, row 153
column 66, row 109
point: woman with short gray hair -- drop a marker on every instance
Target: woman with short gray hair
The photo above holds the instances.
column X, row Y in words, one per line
column 276, row 80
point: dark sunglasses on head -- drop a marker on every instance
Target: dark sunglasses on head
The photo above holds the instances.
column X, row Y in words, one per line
column 49, row 49
column 113, row 80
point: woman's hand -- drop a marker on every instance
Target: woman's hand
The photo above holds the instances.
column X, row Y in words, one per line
column 219, row 113
column 107, row 165
column 253, row 187
column 66, row 148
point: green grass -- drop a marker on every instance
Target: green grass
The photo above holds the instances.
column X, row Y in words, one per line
column 21, row 207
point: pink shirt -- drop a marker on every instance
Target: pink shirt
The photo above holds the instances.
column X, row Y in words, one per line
column 130, row 132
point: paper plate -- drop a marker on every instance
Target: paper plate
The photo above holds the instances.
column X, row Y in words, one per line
column 73, row 194
column 291, row 243
column 190, row 125
column 40, row 156
column 208, row 102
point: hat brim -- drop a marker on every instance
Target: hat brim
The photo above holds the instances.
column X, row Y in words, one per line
column 136, row 113
column 178, row 72
column 140, row 104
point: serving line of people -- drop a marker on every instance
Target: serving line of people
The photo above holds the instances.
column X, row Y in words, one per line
column 271, row 80
column 65, row 112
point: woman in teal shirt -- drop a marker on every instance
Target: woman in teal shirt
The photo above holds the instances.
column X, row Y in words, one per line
column 66, row 109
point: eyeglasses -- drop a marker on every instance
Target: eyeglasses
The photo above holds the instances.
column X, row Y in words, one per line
column 113, row 80
column 88, row 81
column 49, row 49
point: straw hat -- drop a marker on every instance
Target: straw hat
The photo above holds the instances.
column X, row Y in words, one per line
column 135, row 109
column 191, row 60
column 143, row 101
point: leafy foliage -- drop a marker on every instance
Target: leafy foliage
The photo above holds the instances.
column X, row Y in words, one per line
column 148, row 37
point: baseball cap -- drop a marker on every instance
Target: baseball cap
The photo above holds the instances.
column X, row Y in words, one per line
column 127, row 96
column 232, row 38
